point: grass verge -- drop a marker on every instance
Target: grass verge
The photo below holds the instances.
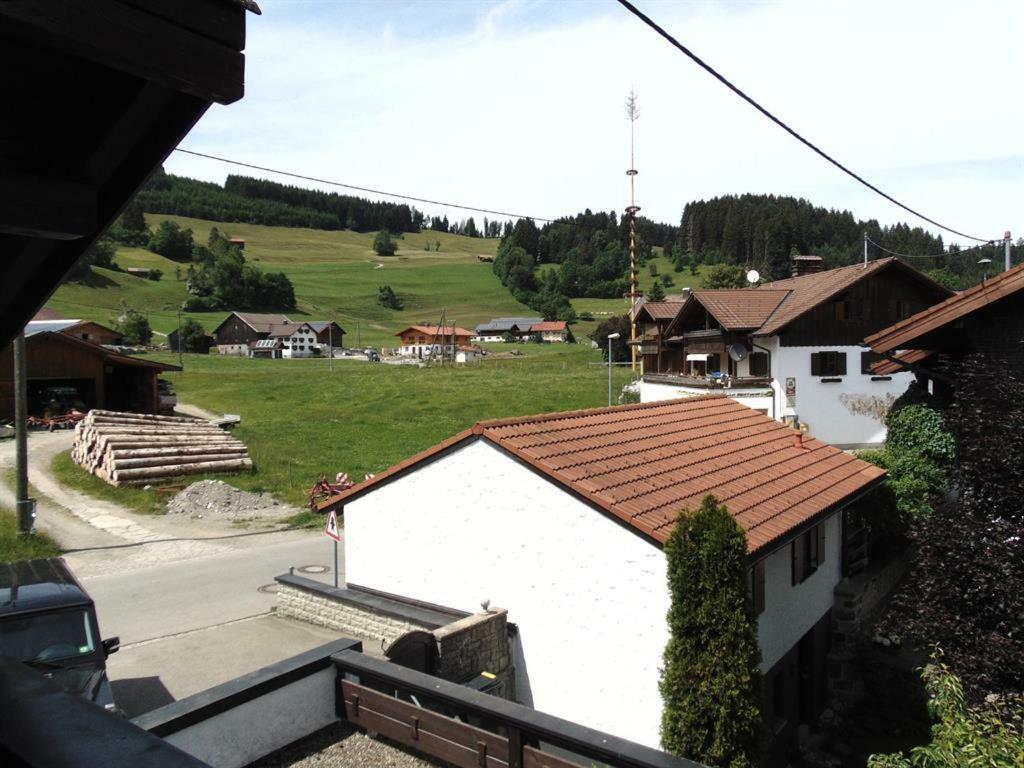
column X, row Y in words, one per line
column 14, row 547
column 73, row 476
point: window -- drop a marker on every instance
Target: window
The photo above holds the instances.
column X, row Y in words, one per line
column 847, row 310
column 759, row 364
column 828, row 364
column 714, row 364
column 867, row 359
column 807, row 552
column 901, row 309
column 756, row 587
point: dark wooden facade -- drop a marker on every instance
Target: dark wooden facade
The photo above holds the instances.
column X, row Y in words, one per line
column 331, row 333
column 234, row 330
column 94, row 332
column 102, row 378
column 96, row 95
column 866, row 307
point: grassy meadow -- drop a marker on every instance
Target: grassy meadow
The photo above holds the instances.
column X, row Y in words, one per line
column 14, row 547
column 336, row 275
column 299, row 419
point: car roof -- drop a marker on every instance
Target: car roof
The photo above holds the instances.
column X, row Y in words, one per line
column 34, row 585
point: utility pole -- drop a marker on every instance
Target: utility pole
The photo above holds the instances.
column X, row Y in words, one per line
column 632, row 113
column 1006, row 250
column 865, row 249
column 181, row 360
column 24, row 505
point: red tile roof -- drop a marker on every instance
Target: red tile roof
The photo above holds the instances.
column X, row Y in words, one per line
column 901, row 361
column 661, row 310
column 642, row 464
column 548, row 326
column 906, row 332
column 434, row 329
column 740, row 308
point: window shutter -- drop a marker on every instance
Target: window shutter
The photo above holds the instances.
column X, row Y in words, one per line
column 821, row 543
column 816, row 364
column 840, row 363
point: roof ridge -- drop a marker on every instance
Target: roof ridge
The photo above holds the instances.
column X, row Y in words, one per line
column 540, row 418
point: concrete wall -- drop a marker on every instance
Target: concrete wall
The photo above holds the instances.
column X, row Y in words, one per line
column 343, row 617
column 790, row 611
column 588, row 596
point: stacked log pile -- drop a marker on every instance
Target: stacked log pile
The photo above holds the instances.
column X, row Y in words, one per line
column 144, row 449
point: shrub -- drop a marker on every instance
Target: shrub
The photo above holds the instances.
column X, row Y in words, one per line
column 192, row 336
column 724, row 276
column 133, row 326
column 962, row 736
column 387, row 298
column 535, row 338
column 172, row 242
column 202, row 304
column 667, row 281
column 710, row 683
column 919, row 430
column 383, row 245
column 619, row 325
column 155, row 274
column 586, row 317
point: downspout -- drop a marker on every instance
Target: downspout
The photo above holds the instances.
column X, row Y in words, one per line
column 771, row 374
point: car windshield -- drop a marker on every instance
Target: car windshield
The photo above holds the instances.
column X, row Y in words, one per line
column 47, row 636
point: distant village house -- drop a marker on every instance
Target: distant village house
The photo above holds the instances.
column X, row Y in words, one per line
column 426, row 341
column 239, row 331
column 500, row 327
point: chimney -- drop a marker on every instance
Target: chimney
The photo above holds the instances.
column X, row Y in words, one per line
column 806, row 265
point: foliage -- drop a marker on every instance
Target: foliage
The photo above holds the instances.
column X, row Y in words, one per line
column 966, row 588
column 535, row 338
column 962, row 736
column 131, row 228
column 725, row 276
column 172, row 242
column 220, row 278
column 386, row 297
column 99, row 254
column 586, row 317
column 383, row 245
column 619, row 325
column 667, row 280
column 70, row 475
column 192, row 336
column 656, row 293
column 653, row 269
column 133, row 326
column 259, row 201
column 514, row 266
column 920, row 430
column 154, row 274
column 710, row 683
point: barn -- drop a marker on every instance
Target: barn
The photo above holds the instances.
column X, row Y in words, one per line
column 65, row 370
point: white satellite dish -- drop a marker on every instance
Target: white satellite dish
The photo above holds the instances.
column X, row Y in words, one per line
column 737, row 352
column 753, row 276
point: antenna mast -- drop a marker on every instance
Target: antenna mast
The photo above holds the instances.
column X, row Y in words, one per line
column 632, row 113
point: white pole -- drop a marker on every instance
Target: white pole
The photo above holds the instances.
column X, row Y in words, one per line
column 1006, row 249
column 609, row 371
column 330, row 342
column 865, row 249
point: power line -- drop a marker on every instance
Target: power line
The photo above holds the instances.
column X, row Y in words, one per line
column 947, row 254
column 361, row 189
column 721, row 78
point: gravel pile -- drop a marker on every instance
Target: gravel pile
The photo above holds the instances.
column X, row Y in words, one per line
column 216, row 500
column 342, row 746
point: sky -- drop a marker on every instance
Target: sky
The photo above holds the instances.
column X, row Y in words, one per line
column 518, row 105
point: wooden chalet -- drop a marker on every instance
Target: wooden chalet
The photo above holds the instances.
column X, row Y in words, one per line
column 238, row 330
column 96, row 95
column 986, row 319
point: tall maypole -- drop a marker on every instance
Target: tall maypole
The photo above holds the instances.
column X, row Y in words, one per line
column 632, row 113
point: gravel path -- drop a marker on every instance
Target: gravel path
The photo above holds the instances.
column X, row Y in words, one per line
column 343, row 746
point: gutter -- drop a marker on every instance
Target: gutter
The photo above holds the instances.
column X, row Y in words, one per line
column 771, row 373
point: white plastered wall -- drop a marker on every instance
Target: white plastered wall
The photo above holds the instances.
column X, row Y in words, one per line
column 589, row 597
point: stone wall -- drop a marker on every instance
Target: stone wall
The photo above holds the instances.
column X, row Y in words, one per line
column 475, row 644
column 344, row 617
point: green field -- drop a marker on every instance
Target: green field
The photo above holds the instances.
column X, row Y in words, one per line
column 300, row 420
column 336, row 275
column 14, row 547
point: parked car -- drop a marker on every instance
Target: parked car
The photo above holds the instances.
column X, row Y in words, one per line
column 48, row 621
column 168, row 397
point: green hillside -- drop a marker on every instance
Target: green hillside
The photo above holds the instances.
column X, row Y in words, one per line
column 336, row 275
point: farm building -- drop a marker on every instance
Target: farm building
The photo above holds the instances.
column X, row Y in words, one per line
column 86, row 330
column 66, row 371
column 239, row 329
column 792, row 348
column 560, row 518
column 500, row 327
column 268, row 348
column 433, row 340
column 328, row 333
column 553, row 332
column 297, row 339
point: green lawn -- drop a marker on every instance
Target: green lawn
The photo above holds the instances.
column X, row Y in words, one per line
column 14, row 547
column 336, row 274
column 73, row 476
column 300, row 420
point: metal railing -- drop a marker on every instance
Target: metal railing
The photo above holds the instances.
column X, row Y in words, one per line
column 701, row 382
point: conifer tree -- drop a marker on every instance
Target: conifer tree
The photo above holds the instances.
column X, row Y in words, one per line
column 710, row 683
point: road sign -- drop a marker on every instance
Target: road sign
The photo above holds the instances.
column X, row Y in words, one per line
column 332, row 526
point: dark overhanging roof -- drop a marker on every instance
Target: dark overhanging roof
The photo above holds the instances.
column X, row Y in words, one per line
column 96, row 95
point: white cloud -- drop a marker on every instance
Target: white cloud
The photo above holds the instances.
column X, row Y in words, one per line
column 523, row 110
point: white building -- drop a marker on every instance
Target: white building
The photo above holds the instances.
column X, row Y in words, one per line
column 297, row 339
column 500, row 327
column 792, row 348
column 561, row 518
column 431, row 341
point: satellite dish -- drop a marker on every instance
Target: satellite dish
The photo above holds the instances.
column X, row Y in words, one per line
column 737, row 352
column 753, row 276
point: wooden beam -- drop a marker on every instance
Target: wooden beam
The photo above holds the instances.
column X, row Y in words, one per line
column 119, row 36
column 54, row 209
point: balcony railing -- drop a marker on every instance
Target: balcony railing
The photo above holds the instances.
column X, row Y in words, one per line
column 723, row 383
